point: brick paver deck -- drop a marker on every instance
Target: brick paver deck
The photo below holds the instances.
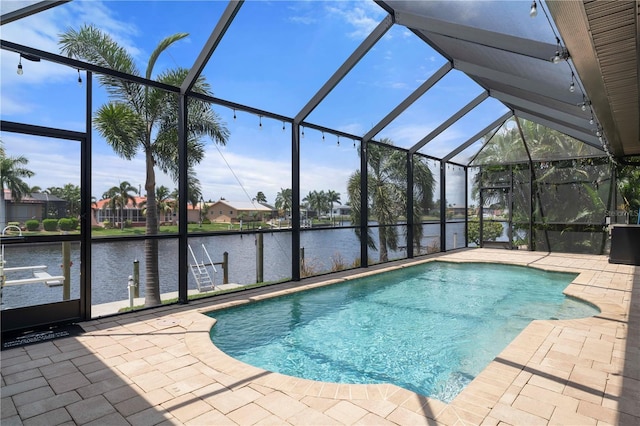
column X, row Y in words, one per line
column 160, row 367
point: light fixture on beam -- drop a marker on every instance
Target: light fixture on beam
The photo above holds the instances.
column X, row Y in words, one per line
column 561, row 53
column 28, row 57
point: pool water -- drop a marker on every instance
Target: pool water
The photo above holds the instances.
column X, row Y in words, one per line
column 429, row 328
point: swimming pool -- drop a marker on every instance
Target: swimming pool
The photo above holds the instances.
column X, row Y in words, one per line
column 429, row 328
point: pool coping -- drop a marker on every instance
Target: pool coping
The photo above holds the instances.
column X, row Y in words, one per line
column 505, row 371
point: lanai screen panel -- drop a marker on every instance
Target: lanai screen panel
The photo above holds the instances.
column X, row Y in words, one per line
column 394, row 67
column 450, row 94
column 464, row 128
column 276, row 55
column 510, row 56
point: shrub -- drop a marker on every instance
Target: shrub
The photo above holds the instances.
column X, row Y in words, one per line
column 65, row 224
column 32, row 224
column 50, row 224
column 74, row 223
column 491, row 231
column 127, row 224
column 206, row 221
column 107, row 225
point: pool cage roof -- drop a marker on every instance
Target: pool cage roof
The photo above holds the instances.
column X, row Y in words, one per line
column 570, row 66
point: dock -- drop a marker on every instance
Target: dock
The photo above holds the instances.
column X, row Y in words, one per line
column 111, row 308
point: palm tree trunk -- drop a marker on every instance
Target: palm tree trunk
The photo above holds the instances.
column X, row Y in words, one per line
column 3, row 209
column 152, row 281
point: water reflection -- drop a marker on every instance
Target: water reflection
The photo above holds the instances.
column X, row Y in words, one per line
column 112, row 262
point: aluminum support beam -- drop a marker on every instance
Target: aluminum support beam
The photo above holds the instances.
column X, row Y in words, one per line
column 589, row 139
column 551, row 109
column 455, row 117
column 505, row 80
column 32, row 9
column 344, row 69
column 183, row 189
column 210, row 46
column 477, row 136
column 501, row 41
column 86, row 213
column 74, row 63
column 435, row 77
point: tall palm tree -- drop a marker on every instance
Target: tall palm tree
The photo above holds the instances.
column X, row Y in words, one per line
column 143, row 119
column 315, row 201
column 387, row 195
column 119, row 197
column 12, row 171
column 333, row 197
column 284, row 200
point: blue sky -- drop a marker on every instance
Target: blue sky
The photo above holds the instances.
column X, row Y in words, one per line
column 275, row 56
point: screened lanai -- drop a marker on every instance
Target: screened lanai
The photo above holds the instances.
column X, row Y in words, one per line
column 272, row 141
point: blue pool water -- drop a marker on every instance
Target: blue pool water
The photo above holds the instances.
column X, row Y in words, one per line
column 429, row 328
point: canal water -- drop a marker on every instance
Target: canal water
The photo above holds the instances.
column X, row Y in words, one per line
column 113, row 262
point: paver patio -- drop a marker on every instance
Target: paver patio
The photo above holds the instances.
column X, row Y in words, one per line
column 160, row 367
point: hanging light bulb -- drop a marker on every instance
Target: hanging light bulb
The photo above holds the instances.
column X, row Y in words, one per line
column 591, row 120
column 283, row 126
column 260, row 125
column 598, row 133
column 234, row 113
column 303, row 133
column 534, row 9
column 584, row 106
column 572, row 86
column 354, row 143
column 557, row 57
column 338, row 140
column 323, row 136
column 20, row 66
column 79, row 78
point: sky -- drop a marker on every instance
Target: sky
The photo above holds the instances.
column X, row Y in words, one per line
column 275, row 56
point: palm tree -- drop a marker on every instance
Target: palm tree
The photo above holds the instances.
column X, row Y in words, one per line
column 260, row 197
column 164, row 202
column 284, row 200
column 333, row 197
column 11, row 174
column 314, row 201
column 387, row 195
column 119, row 197
column 144, row 119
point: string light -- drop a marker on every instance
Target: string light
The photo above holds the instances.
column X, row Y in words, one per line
column 591, row 120
column 323, row 136
column 234, row 113
column 572, row 86
column 303, row 133
column 338, row 140
column 534, row 9
column 79, row 78
column 283, row 126
column 354, row 143
column 260, row 119
column 20, row 66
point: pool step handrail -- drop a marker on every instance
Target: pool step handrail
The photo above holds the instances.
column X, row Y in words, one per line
column 200, row 272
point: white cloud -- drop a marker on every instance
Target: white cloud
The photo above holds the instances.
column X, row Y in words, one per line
column 364, row 17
